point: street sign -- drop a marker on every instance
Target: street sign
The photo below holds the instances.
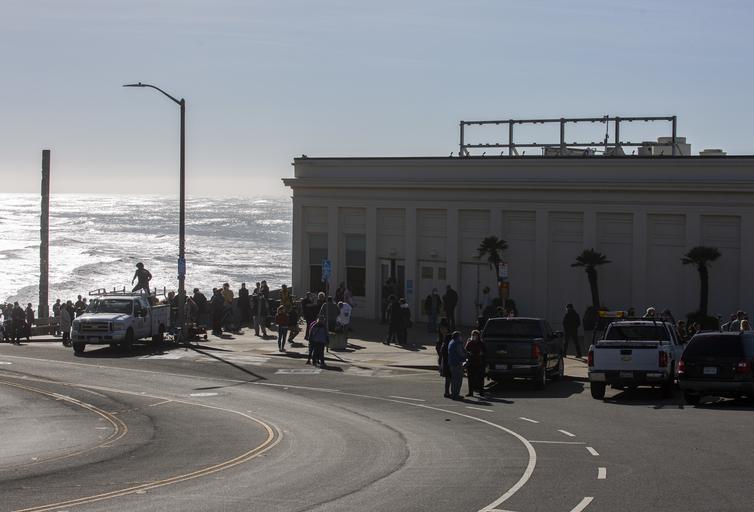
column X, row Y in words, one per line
column 181, row 268
column 504, row 271
column 326, row 269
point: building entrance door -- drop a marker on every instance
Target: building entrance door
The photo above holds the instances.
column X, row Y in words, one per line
column 392, row 282
column 432, row 274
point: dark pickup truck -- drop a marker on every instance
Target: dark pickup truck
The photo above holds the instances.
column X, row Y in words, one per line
column 522, row 347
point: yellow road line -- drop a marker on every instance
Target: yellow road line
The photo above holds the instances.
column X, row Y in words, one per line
column 120, row 429
column 274, row 436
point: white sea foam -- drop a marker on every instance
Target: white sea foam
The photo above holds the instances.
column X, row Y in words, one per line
column 95, row 242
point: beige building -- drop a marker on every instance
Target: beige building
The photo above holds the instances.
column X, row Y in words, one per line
column 422, row 219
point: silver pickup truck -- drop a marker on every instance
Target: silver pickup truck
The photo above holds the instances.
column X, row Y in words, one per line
column 119, row 320
column 635, row 353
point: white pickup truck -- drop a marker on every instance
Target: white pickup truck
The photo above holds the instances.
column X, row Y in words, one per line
column 119, row 320
column 635, row 353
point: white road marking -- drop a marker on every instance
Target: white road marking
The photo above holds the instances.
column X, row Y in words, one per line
column 160, row 403
column 299, row 371
column 479, row 408
column 566, row 433
column 527, row 419
column 205, row 393
column 407, row 398
column 5, row 362
column 601, row 473
column 592, row 451
column 582, row 504
column 557, row 442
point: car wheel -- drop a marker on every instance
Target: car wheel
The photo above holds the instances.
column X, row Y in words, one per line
column 691, row 398
column 598, row 390
column 78, row 348
column 540, row 379
column 558, row 375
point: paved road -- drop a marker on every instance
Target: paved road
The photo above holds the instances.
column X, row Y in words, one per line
column 194, row 431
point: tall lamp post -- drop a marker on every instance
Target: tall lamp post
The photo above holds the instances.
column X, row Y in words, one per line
column 182, row 214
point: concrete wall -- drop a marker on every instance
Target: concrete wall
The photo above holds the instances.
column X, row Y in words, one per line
column 428, row 215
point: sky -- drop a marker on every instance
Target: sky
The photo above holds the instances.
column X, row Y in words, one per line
column 267, row 81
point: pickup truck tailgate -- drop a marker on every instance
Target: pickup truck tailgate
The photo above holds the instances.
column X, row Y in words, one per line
column 623, row 355
column 502, row 348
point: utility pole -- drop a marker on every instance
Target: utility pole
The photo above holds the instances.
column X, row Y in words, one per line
column 44, row 246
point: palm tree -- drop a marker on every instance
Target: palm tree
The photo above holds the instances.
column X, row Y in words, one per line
column 590, row 260
column 493, row 247
column 702, row 256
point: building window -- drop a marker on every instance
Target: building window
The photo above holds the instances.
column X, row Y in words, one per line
column 356, row 262
column 317, row 253
column 428, row 273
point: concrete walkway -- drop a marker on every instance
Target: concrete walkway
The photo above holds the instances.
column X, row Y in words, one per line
column 365, row 347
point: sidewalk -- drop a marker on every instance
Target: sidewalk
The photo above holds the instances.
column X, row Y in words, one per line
column 365, row 347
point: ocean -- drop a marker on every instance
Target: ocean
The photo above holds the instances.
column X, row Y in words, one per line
column 96, row 241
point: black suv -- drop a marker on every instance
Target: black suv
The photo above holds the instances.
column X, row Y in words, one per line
column 522, row 347
column 719, row 364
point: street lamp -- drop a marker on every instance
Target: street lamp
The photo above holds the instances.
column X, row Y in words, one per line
column 182, row 215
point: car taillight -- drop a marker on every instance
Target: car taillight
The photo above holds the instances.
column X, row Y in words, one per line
column 681, row 367
column 535, row 351
column 663, row 359
column 590, row 359
column 743, row 366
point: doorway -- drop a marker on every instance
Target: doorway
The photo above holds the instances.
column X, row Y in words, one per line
column 432, row 275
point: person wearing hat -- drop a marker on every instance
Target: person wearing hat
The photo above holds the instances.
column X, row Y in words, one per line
column 142, row 277
column 571, row 323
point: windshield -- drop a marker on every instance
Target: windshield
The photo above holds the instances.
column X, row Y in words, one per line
column 121, row 306
column 513, row 328
column 637, row 333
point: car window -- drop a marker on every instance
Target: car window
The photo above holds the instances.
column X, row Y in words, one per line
column 110, row 306
column 721, row 346
column 513, row 328
column 637, row 333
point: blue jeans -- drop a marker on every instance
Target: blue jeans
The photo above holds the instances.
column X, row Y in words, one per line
column 282, row 335
column 456, row 379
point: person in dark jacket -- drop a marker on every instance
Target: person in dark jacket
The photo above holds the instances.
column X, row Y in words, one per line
column 441, row 347
column 29, row 313
column 309, row 311
column 456, row 358
column 394, row 319
column 281, row 319
column 319, row 338
column 406, row 322
column 450, row 301
column 432, row 308
column 244, row 306
column 571, row 323
column 475, row 363
column 217, row 306
column 201, row 303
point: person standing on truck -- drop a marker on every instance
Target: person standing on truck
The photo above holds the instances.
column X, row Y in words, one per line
column 571, row 324
column 142, row 277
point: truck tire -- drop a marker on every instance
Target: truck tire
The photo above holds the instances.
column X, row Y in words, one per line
column 598, row 390
column 540, row 378
column 160, row 336
column 78, row 348
column 128, row 343
column 691, row 398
